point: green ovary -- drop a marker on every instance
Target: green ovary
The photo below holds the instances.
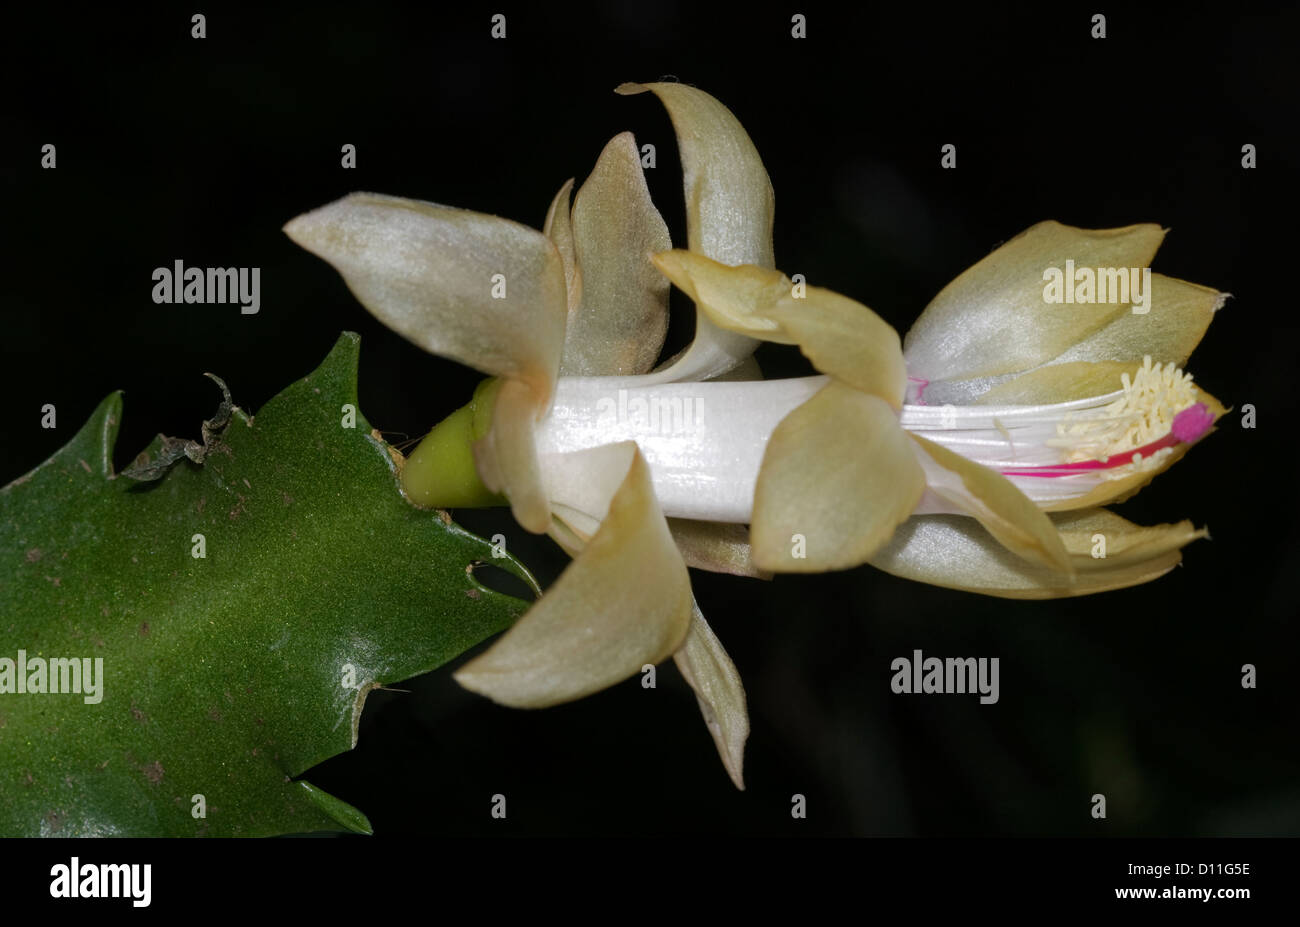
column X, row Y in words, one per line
column 441, row 472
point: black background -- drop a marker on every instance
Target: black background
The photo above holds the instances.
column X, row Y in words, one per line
column 170, row 147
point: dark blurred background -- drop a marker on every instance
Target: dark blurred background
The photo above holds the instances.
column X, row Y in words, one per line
column 173, row 148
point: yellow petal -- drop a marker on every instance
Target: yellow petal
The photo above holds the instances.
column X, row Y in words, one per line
column 624, row 602
column 729, row 210
column 956, row 552
column 428, row 272
column 1111, row 492
column 993, row 319
column 1169, row 331
column 506, row 457
column 840, row 336
column 737, row 299
column 709, row 671
column 846, row 340
column 994, row 501
column 716, row 546
column 839, row 474
column 619, row 326
column 1059, row 383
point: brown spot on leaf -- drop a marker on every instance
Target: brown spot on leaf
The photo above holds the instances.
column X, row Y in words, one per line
column 54, row 820
column 34, row 554
column 473, row 593
column 138, row 714
column 144, row 629
column 203, row 501
column 214, row 714
column 55, row 580
column 153, row 772
column 288, row 499
column 85, row 466
column 445, row 516
column 239, row 507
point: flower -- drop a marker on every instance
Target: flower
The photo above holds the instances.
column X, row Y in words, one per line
column 638, row 473
column 579, row 299
column 1043, row 410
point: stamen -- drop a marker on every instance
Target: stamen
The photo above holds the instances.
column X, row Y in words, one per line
column 1190, row 425
column 1156, row 411
column 1058, row 451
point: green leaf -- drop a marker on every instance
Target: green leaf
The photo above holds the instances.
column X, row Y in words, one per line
column 223, row 676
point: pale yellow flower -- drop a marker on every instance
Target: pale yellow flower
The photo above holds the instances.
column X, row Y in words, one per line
column 833, row 470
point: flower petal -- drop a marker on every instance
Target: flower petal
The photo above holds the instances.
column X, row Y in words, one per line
column 427, row 272
column 993, row 318
column 1054, row 383
column 958, row 553
column 709, row 671
column 846, row 340
column 716, row 546
column 619, row 326
column 506, row 457
column 1169, row 331
column 558, row 227
column 992, row 500
column 838, row 475
column 624, row 602
column 729, row 210
column 840, row 336
column 737, row 299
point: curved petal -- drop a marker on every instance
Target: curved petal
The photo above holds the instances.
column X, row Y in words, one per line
column 1054, row 383
column 625, row 601
column 1179, row 316
column 709, row 671
column 992, row 500
column 558, row 227
column 958, row 553
column 846, row 340
column 428, row 272
column 737, row 299
column 840, row 336
column 1169, row 331
column 729, row 210
column 839, row 474
column 506, row 457
column 619, row 325
column 993, row 319
column 716, row 546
